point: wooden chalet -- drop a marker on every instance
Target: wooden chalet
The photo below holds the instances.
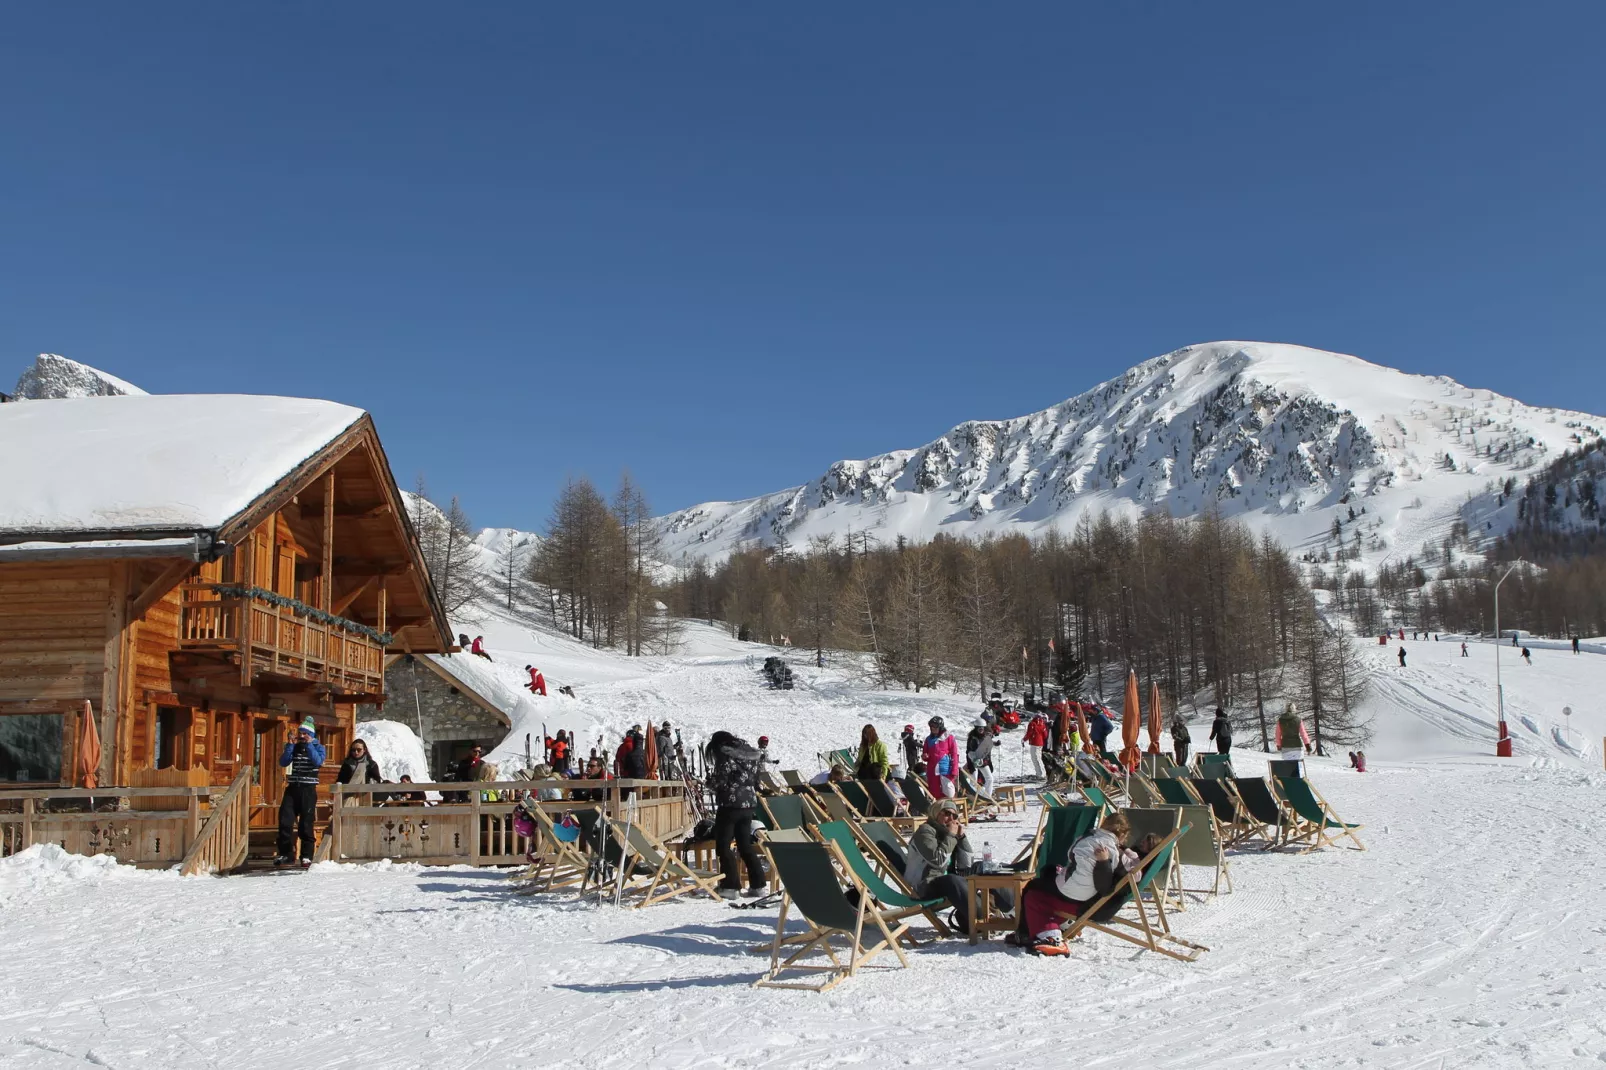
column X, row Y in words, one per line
column 204, row 572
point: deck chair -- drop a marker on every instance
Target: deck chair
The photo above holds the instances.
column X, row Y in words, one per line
column 1214, row 766
column 558, row 863
column 982, row 807
column 890, row 891
column 1175, row 792
column 1052, row 800
column 1232, row 822
column 1266, row 810
column 1103, row 914
column 795, row 781
column 670, row 877
column 1141, row 793
column 884, row 841
column 811, row 875
column 1096, row 797
column 1203, row 846
column 1060, row 829
column 1315, row 815
column 785, row 812
column 885, row 806
column 1162, row 821
column 855, row 795
column 1279, row 767
column 914, row 789
column 834, row 806
column 768, row 785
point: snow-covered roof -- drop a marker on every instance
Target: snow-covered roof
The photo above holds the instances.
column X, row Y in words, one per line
column 155, row 462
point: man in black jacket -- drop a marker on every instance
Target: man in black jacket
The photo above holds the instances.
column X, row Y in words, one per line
column 1221, row 731
column 733, row 778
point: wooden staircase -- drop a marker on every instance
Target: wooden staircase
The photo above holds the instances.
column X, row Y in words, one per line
column 221, row 843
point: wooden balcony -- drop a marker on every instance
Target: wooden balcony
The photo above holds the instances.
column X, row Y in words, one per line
column 278, row 641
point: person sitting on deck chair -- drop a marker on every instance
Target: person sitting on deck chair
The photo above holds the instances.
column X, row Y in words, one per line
column 839, row 773
column 302, row 755
column 1097, row 861
column 937, row 850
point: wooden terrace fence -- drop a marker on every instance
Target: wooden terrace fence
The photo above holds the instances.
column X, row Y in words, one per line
column 374, row 823
column 278, row 640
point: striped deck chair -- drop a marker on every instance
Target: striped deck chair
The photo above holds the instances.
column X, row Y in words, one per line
column 812, row 876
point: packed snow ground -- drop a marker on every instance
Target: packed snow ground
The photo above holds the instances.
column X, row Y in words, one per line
column 1468, row 935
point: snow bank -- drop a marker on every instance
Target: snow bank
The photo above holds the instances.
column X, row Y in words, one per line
column 396, row 748
column 137, row 463
column 47, row 865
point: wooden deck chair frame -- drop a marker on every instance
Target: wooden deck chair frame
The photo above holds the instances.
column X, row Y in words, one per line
column 1283, row 832
column 982, row 807
column 881, row 797
column 1155, row 937
column 1321, row 820
column 818, row 937
column 559, row 864
column 671, row 876
column 856, row 843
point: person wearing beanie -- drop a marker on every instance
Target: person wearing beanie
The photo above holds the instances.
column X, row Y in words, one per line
column 1221, row 732
column 301, row 757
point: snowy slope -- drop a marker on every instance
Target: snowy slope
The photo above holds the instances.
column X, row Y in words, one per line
column 52, row 376
column 1283, row 436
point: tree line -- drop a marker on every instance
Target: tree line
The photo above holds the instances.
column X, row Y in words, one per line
column 1214, row 615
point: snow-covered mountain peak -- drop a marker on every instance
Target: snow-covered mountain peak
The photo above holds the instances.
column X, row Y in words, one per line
column 53, row 376
column 1282, row 435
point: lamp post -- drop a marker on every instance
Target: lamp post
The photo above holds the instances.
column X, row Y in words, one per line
column 1502, row 747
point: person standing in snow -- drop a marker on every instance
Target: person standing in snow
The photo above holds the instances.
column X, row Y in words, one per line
column 764, row 753
column 1527, row 655
column 302, row 757
column 1180, row 741
column 359, row 766
column 1402, row 657
column 1221, row 732
column 979, row 755
column 1293, row 742
column 941, row 754
column 560, row 753
column 666, row 752
column 1464, row 650
column 1575, row 645
column 733, row 778
column 537, row 684
column 912, row 760
column 1036, row 737
column 1099, row 727
column 873, row 762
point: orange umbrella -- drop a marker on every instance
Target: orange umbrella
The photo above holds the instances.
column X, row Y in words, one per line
column 1081, row 726
column 652, row 753
column 1131, row 721
column 88, row 748
column 1154, row 718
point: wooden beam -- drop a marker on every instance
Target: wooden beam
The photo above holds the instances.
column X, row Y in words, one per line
column 361, row 512
column 344, row 602
column 373, row 568
column 326, row 582
column 157, row 588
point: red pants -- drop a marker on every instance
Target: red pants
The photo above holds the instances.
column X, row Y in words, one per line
column 1041, row 909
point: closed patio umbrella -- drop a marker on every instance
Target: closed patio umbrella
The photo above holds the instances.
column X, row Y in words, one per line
column 88, row 748
column 1131, row 721
column 1081, row 727
column 1154, row 718
column 652, row 753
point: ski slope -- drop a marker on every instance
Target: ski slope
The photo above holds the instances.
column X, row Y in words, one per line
column 1468, row 935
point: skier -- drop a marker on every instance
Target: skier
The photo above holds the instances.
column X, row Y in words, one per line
column 1527, row 655
column 979, row 754
column 1036, row 737
column 537, row 684
column 941, row 753
column 1402, row 635
column 477, row 648
column 1180, row 741
column 1575, row 644
column 764, row 753
column 911, row 752
column 733, row 776
column 303, row 755
column 1402, row 657
column 1221, row 731
column 1464, row 650
column 1293, row 742
column 1099, row 727
column 560, row 753
column 666, row 752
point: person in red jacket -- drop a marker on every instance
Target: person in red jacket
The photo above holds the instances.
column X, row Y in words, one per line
column 537, row 684
column 477, row 648
column 1036, row 738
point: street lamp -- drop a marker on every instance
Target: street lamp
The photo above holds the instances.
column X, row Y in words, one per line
column 1502, row 747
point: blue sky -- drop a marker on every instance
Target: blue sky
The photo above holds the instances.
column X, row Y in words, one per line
column 725, row 245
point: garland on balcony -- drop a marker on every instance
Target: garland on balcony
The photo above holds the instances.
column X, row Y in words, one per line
column 301, row 609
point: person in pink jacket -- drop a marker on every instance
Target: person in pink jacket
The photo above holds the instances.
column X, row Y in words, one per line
column 942, row 760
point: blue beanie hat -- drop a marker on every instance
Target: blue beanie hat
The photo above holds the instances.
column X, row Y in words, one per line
column 308, row 727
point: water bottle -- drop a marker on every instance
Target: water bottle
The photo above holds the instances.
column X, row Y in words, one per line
column 987, row 859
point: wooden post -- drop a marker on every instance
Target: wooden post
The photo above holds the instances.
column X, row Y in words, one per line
column 194, row 819
column 242, row 623
column 474, row 826
column 326, row 584
column 334, row 824
column 27, row 823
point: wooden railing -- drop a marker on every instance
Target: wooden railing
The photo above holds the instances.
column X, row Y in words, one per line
column 278, row 640
column 225, row 836
column 91, row 821
column 366, row 826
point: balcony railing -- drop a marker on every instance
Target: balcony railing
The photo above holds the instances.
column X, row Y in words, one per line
column 281, row 637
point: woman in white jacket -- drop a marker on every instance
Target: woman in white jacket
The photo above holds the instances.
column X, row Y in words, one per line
column 1097, row 862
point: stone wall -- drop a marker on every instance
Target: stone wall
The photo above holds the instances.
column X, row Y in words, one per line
column 452, row 721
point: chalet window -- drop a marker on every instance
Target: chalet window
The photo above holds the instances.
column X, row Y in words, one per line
column 30, row 747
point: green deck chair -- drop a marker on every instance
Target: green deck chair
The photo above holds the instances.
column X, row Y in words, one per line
column 1215, row 766
column 1203, row 846
column 785, row 812
column 1102, row 914
column 914, row 789
column 894, row 894
column 1277, row 768
column 809, row 875
column 1315, row 814
column 1062, row 828
column 1231, row 820
column 854, row 793
column 1266, row 810
column 885, row 804
column 1141, row 793
column 883, row 837
column 1176, row 793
